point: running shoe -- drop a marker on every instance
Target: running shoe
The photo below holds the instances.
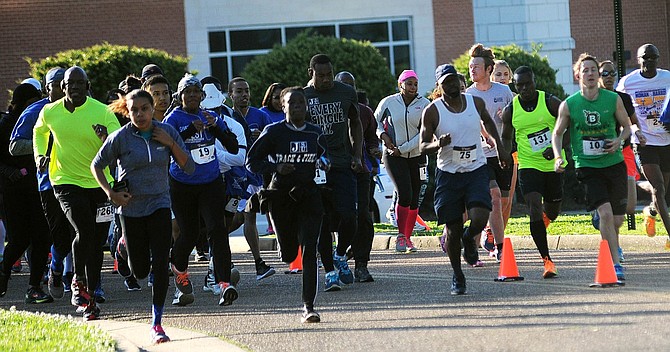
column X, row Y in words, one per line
column 158, row 335
column 80, row 296
column 263, row 270
column 401, row 243
column 443, row 243
column 17, row 267
column 182, row 299
column 92, row 312
column 309, row 315
column 211, row 285
column 99, row 293
column 361, row 273
column 621, row 258
column 498, row 256
column 332, row 281
column 200, row 256
column 488, row 241
column 458, row 285
column 345, row 274
column 234, row 275
column 55, row 284
column 470, row 250
column 132, row 284
column 618, row 269
column 595, row 219
column 184, row 292
column 649, row 221
column 122, row 267
column 36, row 295
column 228, row 294
column 410, row 245
column 549, row 268
column 67, row 279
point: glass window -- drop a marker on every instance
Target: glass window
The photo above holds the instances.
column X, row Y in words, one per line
column 217, row 42
column 254, row 39
column 401, row 59
column 326, row 31
column 385, row 53
column 400, row 30
column 374, row 32
column 218, row 66
column 240, row 62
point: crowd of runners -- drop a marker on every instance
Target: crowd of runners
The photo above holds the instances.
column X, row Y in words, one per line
column 157, row 171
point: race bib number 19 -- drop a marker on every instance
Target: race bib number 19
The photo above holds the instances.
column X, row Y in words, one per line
column 203, row 154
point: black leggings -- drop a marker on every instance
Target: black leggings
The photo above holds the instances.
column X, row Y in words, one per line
column 26, row 227
column 148, row 245
column 362, row 242
column 404, row 173
column 189, row 204
column 62, row 233
column 297, row 223
column 80, row 206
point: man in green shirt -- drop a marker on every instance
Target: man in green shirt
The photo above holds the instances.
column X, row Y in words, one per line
column 78, row 125
column 593, row 115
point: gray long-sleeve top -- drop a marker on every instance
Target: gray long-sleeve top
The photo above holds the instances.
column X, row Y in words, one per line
column 144, row 165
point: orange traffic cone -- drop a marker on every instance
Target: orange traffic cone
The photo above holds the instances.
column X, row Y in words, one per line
column 296, row 266
column 421, row 222
column 508, row 269
column 605, row 274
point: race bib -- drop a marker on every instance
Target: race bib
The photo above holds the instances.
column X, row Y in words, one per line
column 203, row 154
column 654, row 124
column 231, row 207
column 464, row 155
column 423, row 173
column 593, row 146
column 539, row 140
column 320, row 177
column 104, row 213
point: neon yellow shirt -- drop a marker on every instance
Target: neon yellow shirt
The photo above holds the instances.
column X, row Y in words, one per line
column 75, row 142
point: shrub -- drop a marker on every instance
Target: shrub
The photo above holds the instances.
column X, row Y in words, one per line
column 107, row 64
column 288, row 64
column 545, row 76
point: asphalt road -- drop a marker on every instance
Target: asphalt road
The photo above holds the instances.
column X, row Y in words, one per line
column 409, row 307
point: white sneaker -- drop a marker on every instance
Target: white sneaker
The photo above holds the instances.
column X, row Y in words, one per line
column 211, row 285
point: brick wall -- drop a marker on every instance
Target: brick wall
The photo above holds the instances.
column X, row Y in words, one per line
column 40, row 28
column 454, row 29
column 644, row 21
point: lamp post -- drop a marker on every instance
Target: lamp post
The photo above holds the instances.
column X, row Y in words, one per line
column 618, row 32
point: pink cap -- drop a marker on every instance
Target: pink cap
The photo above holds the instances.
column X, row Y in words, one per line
column 407, row 74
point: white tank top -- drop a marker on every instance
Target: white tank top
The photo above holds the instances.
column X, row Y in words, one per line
column 464, row 153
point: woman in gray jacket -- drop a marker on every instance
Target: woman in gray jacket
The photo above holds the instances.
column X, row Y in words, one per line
column 398, row 124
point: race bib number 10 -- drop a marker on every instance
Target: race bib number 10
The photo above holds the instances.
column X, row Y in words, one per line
column 593, row 146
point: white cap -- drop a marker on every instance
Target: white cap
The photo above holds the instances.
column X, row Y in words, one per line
column 213, row 97
column 34, row 82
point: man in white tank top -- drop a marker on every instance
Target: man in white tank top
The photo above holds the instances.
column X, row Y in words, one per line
column 450, row 126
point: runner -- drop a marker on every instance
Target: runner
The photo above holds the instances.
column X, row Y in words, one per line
column 648, row 87
column 333, row 106
column 141, row 151
column 451, row 127
column 496, row 96
column 592, row 114
column 78, row 124
column 398, row 122
column 292, row 197
column 530, row 120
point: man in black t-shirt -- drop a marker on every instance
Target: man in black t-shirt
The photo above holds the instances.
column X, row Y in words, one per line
column 333, row 106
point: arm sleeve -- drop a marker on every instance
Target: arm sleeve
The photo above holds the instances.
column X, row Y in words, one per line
column 223, row 134
column 106, row 155
column 40, row 135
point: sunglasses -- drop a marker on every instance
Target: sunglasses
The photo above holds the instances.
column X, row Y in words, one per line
column 606, row 73
column 649, row 57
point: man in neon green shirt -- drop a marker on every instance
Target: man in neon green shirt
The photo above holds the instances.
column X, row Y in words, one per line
column 592, row 114
column 78, row 124
column 531, row 117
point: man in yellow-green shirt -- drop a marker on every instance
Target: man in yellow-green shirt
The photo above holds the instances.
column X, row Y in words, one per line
column 531, row 117
column 78, row 124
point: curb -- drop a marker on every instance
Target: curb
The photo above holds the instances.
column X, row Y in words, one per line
column 134, row 337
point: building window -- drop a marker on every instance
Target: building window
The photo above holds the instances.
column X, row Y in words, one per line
column 231, row 49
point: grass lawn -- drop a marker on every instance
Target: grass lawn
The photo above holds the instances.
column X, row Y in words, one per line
column 569, row 224
column 24, row 331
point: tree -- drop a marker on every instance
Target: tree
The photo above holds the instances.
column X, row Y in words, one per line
column 288, row 64
column 107, row 64
column 545, row 76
